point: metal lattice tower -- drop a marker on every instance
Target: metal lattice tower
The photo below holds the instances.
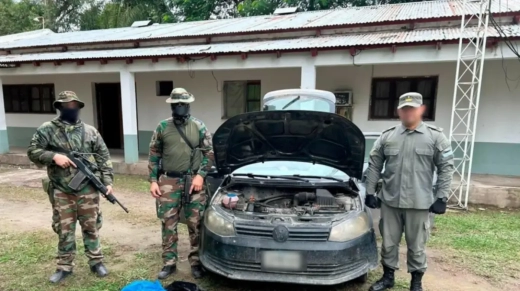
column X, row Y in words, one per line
column 468, row 81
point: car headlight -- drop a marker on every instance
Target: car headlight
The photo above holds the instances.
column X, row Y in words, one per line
column 218, row 224
column 350, row 228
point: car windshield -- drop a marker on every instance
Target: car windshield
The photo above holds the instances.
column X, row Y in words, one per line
column 280, row 168
column 299, row 103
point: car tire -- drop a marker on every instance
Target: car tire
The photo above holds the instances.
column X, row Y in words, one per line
column 361, row 279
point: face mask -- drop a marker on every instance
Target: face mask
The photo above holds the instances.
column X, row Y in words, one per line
column 180, row 112
column 69, row 115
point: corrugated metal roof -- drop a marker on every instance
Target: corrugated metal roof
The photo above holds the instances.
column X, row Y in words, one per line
column 315, row 19
column 323, row 42
column 6, row 39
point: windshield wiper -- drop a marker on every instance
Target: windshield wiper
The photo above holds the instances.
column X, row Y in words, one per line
column 251, row 175
column 319, row 177
column 291, row 102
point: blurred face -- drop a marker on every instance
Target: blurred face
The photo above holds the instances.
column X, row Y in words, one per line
column 70, row 105
column 69, row 112
column 411, row 116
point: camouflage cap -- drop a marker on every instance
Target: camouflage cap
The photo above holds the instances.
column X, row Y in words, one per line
column 412, row 99
column 68, row 96
column 180, row 95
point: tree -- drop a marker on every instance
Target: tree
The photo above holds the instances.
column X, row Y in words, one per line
column 19, row 17
column 191, row 10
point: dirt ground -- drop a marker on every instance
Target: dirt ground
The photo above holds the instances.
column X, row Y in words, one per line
column 139, row 232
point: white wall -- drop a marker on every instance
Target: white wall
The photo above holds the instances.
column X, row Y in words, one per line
column 82, row 84
column 499, row 114
column 499, row 108
column 208, row 103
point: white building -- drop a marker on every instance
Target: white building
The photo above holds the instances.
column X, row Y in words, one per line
column 377, row 53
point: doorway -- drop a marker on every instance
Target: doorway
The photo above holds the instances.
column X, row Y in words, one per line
column 109, row 115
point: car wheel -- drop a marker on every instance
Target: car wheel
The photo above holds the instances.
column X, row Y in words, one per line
column 362, row 279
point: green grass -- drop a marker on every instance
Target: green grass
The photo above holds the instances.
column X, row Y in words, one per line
column 486, row 242
column 131, row 183
column 27, row 260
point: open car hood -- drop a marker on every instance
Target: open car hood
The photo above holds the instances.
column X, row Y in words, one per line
column 295, row 135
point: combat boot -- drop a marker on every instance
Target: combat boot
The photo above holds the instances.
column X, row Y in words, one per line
column 99, row 269
column 59, row 276
column 416, row 283
column 197, row 272
column 166, row 272
column 386, row 282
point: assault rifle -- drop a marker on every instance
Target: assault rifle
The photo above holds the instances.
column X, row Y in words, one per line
column 86, row 175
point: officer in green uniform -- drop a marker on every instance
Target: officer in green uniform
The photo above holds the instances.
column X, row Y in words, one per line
column 410, row 153
column 181, row 146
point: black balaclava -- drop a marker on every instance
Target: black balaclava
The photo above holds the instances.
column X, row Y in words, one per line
column 69, row 115
column 180, row 112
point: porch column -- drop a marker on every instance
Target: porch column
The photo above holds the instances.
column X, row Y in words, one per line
column 308, row 77
column 4, row 141
column 128, row 106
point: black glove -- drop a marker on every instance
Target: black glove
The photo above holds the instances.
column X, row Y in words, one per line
column 371, row 201
column 439, row 206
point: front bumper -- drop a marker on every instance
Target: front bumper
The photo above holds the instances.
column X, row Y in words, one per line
column 328, row 263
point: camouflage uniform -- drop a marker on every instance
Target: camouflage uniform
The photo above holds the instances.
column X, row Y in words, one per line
column 70, row 206
column 166, row 140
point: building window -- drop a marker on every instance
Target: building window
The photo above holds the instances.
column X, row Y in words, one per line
column 163, row 88
column 29, row 98
column 386, row 92
column 241, row 97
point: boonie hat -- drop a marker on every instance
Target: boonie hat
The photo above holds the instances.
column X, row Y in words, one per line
column 180, row 95
column 411, row 99
column 67, row 96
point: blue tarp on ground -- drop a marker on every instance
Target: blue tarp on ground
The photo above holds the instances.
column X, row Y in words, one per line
column 144, row 286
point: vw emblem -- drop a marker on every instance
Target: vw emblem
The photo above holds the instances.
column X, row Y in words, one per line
column 280, row 233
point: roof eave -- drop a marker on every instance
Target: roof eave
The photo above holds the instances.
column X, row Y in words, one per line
column 393, row 46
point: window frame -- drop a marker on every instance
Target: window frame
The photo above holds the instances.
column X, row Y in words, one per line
column 247, row 98
column 394, row 100
column 158, row 88
column 8, row 98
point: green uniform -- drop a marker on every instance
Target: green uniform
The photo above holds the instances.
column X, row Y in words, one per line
column 68, row 205
column 171, row 151
column 410, row 158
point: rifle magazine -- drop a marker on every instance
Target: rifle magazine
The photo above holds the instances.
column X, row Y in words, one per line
column 79, row 181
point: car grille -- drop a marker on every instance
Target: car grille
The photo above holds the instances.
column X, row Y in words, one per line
column 312, row 270
column 295, row 233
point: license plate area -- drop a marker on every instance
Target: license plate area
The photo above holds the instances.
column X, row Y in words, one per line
column 283, row 261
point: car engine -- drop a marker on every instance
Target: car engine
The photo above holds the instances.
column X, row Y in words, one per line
column 284, row 200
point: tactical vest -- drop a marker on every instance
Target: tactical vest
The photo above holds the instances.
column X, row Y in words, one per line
column 176, row 153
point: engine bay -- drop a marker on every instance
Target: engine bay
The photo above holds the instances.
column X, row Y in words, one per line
column 287, row 201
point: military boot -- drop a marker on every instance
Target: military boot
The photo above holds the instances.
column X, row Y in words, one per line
column 197, row 272
column 166, row 272
column 99, row 269
column 59, row 276
column 386, row 282
column 416, row 283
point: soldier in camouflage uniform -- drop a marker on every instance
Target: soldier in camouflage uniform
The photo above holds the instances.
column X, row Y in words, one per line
column 169, row 161
column 68, row 133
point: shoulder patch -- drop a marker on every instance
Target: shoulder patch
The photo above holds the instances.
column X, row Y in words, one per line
column 433, row 127
column 389, row 129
